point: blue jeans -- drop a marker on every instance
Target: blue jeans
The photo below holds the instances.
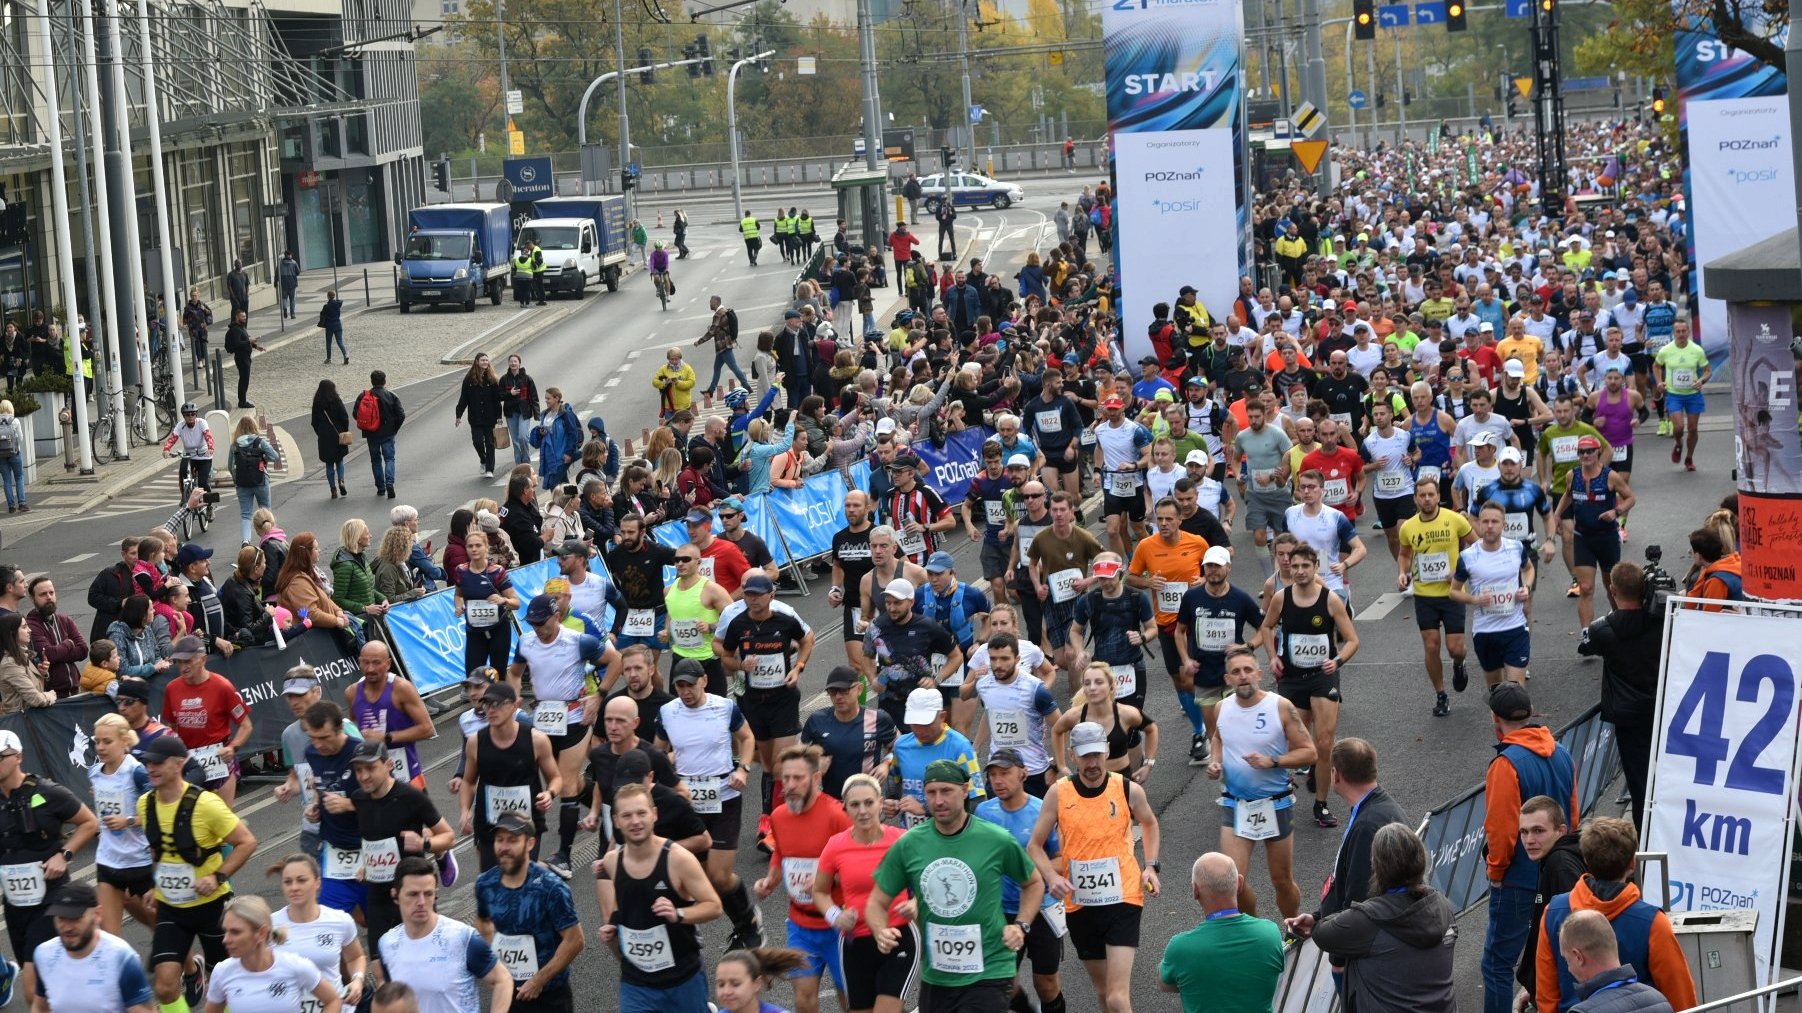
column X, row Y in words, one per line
column 249, row 498
column 334, row 473
column 519, row 431
column 12, row 477
column 335, row 333
column 287, row 302
column 1510, row 915
column 381, row 462
column 727, row 360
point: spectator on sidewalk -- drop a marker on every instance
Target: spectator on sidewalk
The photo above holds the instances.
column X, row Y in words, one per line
column 110, row 588
column 12, row 459
column 237, row 287
column 239, row 345
column 196, row 317
column 331, row 424
column 55, row 639
column 519, row 401
column 481, row 397
column 1604, row 985
column 331, row 318
column 419, row 557
column 379, row 416
column 250, row 459
column 675, row 383
column 288, row 273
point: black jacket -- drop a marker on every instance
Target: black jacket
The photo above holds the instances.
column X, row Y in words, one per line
column 524, row 525
column 482, row 401
column 1628, row 641
column 1350, row 880
column 332, row 313
column 393, row 415
column 1559, row 871
column 245, row 620
column 106, row 595
column 327, row 422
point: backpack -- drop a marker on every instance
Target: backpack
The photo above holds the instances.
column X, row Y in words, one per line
column 247, row 463
column 9, row 439
column 369, row 412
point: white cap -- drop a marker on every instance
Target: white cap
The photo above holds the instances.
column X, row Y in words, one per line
column 1514, row 367
column 885, row 425
column 1199, row 456
column 1087, row 738
column 1486, row 328
column 10, row 744
column 923, row 707
column 900, row 587
column 1510, row 454
column 1019, row 461
column 1484, row 438
column 1217, row 555
column 1328, row 304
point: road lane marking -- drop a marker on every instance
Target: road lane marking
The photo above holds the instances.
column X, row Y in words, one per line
column 77, row 559
column 1385, row 604
column 614, row 382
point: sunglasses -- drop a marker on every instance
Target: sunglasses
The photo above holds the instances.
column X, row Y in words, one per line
column 687, row 559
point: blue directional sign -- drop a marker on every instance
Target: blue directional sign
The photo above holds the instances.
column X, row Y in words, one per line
column 1356, row 99
column 1520, row 8
column 976, row 114
column 1392, row 16
column 1430, row 13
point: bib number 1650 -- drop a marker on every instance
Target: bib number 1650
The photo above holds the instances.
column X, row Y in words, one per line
column 1704, row 705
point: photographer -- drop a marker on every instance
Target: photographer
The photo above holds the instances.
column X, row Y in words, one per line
column 1628, row 640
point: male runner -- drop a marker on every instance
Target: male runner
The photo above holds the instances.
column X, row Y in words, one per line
column 388, row 709
column 1557, row 459
column 636, row 564
column 764, row 651
column 1211, row 618
column 1258, row 739
column 1317, row 638
column 695, row 602
column 528, row 917
column 799, row 830
column 1388, row 471
column 1681, row 370
column 1168, row 564
column 1122, row 452
column 1264, row 448
column 1123, row 624
column 1431, row 540
column 652, row 895
column 851, row 562
column 443, row 959
column 1496, row 576
column 1014, row 809
column 1592, row 505
column 1329, row 533
column 1020, row 709
column 1058, row 559
column 394, row 821
column 511, row 764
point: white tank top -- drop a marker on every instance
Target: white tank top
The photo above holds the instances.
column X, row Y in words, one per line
column 589, row 598
column 702, row 738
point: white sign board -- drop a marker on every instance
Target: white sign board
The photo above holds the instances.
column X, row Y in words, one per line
column 1740, row 169
column 516, row 103
column 1723, row 777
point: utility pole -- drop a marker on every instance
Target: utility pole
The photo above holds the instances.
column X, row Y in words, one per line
column 1282, row 63
column 160, row 190
column 130, row 303
column 738, row 203
column 875, row 208
column 963, row 53
column 88, row 131
column 500, row 38
column 625, row 121
column 1376, row 86
column 1401, row 93
column 65, row 247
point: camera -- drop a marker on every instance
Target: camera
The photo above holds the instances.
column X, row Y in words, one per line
column 1660, row 585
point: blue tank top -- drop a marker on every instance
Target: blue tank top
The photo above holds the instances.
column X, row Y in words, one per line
column 1591, row 498
column 1434, row 443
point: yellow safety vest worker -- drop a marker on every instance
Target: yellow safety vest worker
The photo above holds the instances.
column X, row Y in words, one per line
column 785, row 226
column 804, row 226
column 537, row 262
column 522, row 265
column 749, row 227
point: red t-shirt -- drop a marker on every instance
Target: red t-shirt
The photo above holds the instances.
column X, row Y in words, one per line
column 1485, row 359
column 1339, row 465
column 203, row 715
column 853, row 868
column 796, row 840
column 729, row 564
column 903, row 244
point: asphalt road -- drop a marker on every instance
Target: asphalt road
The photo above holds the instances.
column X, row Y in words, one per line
column 603, row 358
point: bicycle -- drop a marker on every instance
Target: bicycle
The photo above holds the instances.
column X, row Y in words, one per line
column 661, row 281
column 139, row 428
column 201, row 517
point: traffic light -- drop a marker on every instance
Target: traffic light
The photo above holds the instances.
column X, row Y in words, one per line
column 644, row 60
column 1454, row 16
column 1364, row 19
column 732, row 55
column 441, row 174
column 704, row 49
column 628, row 180
column 690, row 53
column 1658, row 100
column 1513, row 106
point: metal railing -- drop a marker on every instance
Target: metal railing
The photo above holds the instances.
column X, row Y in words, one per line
column 1732, row 1002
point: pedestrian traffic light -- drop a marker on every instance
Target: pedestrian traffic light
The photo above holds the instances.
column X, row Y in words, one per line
column 441, row 174
column 1454, row 16
column 732, row 55
column 628, row 180
column 1658, row 99
column 1513, row 106
column 645, row 76
column 1364, row 19
column 704, row 49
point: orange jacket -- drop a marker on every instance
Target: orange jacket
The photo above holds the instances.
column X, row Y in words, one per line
column 1710, row 584
column 1669, row 970
column 1501, row 820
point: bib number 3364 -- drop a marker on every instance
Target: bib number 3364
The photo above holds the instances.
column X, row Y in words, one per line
column 1697, row 722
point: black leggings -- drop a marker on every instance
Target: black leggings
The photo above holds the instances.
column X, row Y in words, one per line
column 488, row 646
column 483, row 438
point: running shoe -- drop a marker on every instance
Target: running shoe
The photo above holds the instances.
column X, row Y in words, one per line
column 1460, row 678
column 1310, row 773
column 447, row 869
column 1442, row 705
column 9, row 975
column 748, row 936
column 1199, row 751
column 1676, row 453
column 1323, row 816
column 763, row 834
column 1575, row 590
column 193, row 985
column 1689, row 464
column 1664, row 427
column 559, row 864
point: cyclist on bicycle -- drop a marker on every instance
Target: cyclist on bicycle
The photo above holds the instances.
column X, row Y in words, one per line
column 660, row 268
column 196, row 441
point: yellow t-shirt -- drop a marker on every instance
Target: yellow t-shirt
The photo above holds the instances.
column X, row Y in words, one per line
column 213, row 821
column 1435, row 544
column 1527, row 349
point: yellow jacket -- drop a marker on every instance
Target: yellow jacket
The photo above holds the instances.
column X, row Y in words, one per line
column 677, row 386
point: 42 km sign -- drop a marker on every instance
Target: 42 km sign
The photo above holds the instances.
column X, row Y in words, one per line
column 1723, row 777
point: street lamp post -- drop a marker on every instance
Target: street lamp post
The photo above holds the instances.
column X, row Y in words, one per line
column 738, row 203
column 625, row 122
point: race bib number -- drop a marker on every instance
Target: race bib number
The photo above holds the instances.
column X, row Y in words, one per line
column 212, row 762
column 482, row 614
column 1684, row 377
column 1263, row 477
column 1501, row 601
column 797, row 876
column 1433, row 567
column 1007, row 729
column 23, row 883
column 1517, row 526
column 686, row 633
column 175, row 882
column 551, row 717
column 509, row 799
column 1126, row 680
column 1308, row 650
column 1063, row 584
column 1049, row 421
column 1337, row 491
column 647, row 949
column 706, row 567
column 1056, row 917
column 995, row 512
column 1391, row 484
column 955, row 679
column 704, row 794
column 520, row 954
column 913, row 543
column 1564, row 449
column 342, row 863
column 1429, row 471
column 1255, row 820
column 1170, row 596
column 1087, row 438
column 1620, row 453
column 1096, row 881
column 1214, row 634
column 397, row 762
column 766, row 671
column 640, row 623
column 1123, row 484
column 380, row 858
column 1343, row 418
column 954, row 949
column 109, row 803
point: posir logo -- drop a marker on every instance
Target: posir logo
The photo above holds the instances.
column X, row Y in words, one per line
column 1749, row 144
column 1176, row 207
column 1158, row 84
column 1176, row 175
column 1742, row 176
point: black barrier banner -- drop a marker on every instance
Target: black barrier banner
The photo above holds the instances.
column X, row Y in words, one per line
column 58, row 739
column 1453, row 832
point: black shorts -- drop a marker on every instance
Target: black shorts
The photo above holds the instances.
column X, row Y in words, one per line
column 1131, row 506
column 994, row 561
column 551, row 1000
column 1625, row 464
column 178, row 927
column 1601, row 549
column 847, row 627
column 1044, row 948
column 1642, row 361
column 1303, row 690
column 1432, row 612
column 1094, row 929
column 723, row 826
column 978, row 997
column 1392, row 512
column 772, row 713
column 136, row 881
column 1054, row 459
column 26, row 927
column 572, row 739
column 1167, row 644
column 870, row 973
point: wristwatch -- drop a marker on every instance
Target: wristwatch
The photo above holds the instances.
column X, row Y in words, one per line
column 68, row 856
column 1025, row 926
column 1155, row 866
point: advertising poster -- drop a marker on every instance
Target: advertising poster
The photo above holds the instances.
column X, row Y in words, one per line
column 1767, row 447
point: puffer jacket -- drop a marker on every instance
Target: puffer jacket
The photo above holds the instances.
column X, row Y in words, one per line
column 1397, row 948
column 1602, row 994
column 139, row 652
column 353, row 585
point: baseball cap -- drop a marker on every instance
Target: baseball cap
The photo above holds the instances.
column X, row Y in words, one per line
column 1510, row 702
column 1514, row 367
column 1486, row 328
column 632, row 765
column 923, row 707
column 1217, row 555
column 572, row 547
column 517, row 823
column 300, row 685
column 187, row 647
column 1195, row 381
column 885, row 425
column 1106, row 568
column 131, row 689
column 190, row 554
column 1198, row 456
column 904, row 462
column 686, row 670
column 499, row 693
column 1483, row 439
column 1328, row 304
column 369, row 751
column 758, row 583
column 73, row 900
column 1148, row 360
column 10, row 744
column 1588, row 443
column 1087, row 738
column 939, row 562
column 699, row 515
column 1509, row 454
column 945, row 771
column 1006, row 756
column 1629, row 295
column 481, row 675
column 1186, row 290
column 899, row 588
column 1113, row 402
column 732, row 505
column 842, row 677
column 164, row 747
column 541, row 609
